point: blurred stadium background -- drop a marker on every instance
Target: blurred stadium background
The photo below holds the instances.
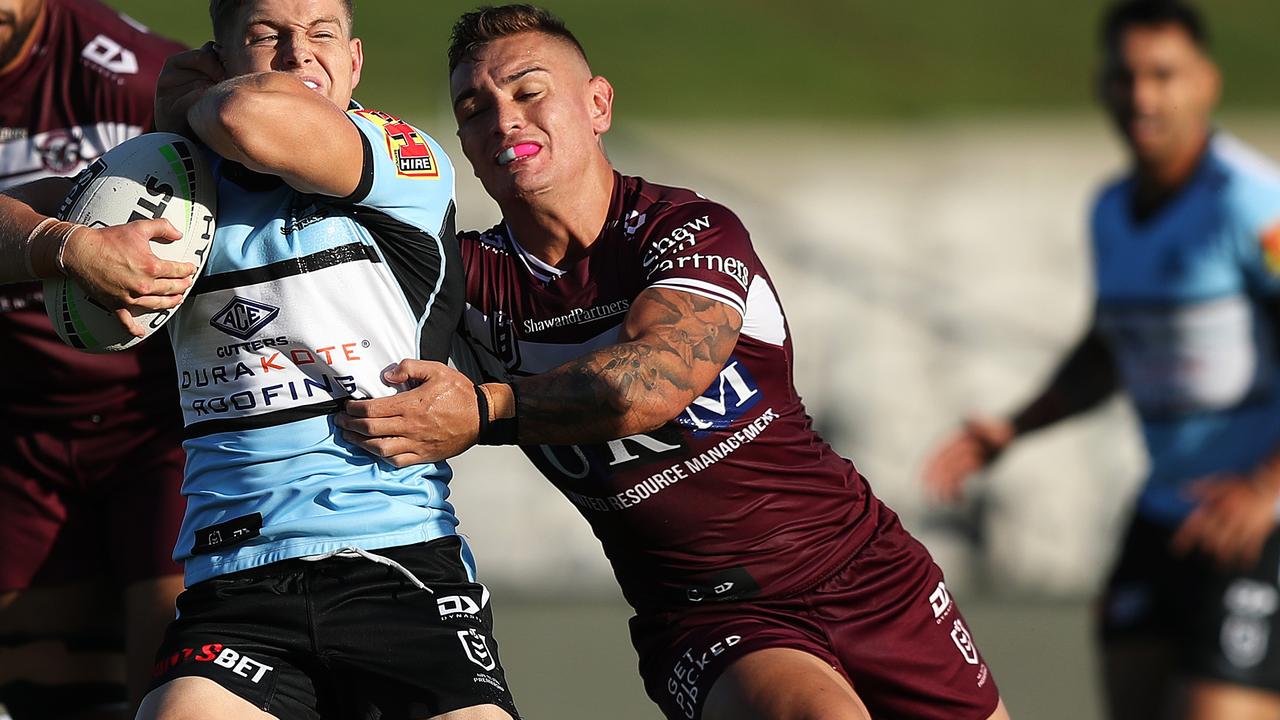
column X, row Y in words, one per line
column 916, row 176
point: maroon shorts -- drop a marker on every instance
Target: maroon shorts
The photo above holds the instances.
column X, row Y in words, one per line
column 97, row 498
column 885, row 621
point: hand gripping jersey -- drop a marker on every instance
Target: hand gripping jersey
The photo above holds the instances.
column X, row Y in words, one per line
column 736, row 497
column 303, row 302
column 1186, row 300
column 86, row 85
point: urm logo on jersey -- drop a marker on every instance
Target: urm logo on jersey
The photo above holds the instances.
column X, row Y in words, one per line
column 730, row 396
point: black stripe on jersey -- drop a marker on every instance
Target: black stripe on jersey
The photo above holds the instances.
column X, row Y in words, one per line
column 366, row 172
column 416, row 261
column 353, row 252
column 256, row 422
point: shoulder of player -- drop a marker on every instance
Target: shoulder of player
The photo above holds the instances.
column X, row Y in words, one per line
column 397, row 134
column 493, row 241
column 659, row 211
column 1249, row 180
column 118, row 53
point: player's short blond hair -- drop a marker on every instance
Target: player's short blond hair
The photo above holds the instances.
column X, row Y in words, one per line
column 485, row 24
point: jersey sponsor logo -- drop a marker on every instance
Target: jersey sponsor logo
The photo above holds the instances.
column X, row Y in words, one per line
column 680, row 239
column 405, row 145
column 577, row 316
column 9, row 134
column 243, row 318
column 217, row 654
column 731, row 395
column 964, row 642
column 580, row 467
column 476, row 647
column 684, row 684
column 108, row 54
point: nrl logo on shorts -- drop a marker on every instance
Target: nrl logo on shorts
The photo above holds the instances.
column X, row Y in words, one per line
column 243, row 318
column 477, row 649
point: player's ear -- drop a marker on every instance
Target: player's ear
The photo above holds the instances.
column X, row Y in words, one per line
column 357, row 61
column 601, row 104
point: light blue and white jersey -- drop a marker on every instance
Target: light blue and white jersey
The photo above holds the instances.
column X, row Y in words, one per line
column 1184, row 301
column 303, row 302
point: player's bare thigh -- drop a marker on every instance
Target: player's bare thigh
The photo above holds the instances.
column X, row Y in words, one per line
column 787, row 684
column 782, row 684
column 196, row 698
column 479, row 712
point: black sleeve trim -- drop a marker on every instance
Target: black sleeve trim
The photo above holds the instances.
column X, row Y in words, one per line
column 366, row 172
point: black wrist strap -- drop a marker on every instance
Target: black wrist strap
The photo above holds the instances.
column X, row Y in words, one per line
column 494, row 432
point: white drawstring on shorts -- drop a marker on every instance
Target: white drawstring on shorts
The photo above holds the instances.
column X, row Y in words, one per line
column 352, row 552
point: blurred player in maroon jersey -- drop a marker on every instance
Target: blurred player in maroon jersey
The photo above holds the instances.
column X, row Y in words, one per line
column 90, row 453
column 637, row 352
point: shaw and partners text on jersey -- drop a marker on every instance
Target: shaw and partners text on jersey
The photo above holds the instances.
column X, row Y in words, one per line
column 324, row 383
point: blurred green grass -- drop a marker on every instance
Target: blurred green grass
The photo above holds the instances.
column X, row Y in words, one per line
column 827, row 60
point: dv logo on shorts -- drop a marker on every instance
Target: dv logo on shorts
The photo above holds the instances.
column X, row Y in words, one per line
column 476, row 646
column 243, row 318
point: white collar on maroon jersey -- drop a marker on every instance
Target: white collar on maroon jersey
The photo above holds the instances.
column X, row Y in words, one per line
column 536, row 268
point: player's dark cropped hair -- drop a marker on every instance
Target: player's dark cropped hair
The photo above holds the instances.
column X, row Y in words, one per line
column 485, row 24
column 1147, row 13
column 222, row 12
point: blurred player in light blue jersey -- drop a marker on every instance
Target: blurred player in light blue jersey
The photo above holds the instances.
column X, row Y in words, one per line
column 1187, row 263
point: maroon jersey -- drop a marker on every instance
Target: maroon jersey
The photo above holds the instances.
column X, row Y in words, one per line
column 737, row 497
column 86, row 85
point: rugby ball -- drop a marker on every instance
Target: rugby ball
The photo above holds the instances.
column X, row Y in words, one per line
column 156, row 175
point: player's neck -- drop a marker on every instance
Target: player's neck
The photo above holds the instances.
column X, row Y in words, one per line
column 1157, row 182
column 26, row 30
column 560, row 224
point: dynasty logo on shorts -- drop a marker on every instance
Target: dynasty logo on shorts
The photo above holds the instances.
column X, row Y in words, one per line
column 219, row 655
column 462, row 607
column 476, row 647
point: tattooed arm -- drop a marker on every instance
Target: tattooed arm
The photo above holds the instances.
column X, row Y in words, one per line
column 673, row 346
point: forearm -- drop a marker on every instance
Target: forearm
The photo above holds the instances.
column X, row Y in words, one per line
column 225, row 115
column 614, row 392
column 28, row 244
column 272, row 124
column 1085, row 379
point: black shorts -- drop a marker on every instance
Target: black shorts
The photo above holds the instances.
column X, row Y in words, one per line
column 1222, row 624
column 343, row 637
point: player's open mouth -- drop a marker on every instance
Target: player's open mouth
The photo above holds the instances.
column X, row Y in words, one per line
column 311, row 84
column 518, row 152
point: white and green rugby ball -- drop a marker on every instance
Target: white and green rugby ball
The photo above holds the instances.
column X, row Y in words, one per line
column 156, row 175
